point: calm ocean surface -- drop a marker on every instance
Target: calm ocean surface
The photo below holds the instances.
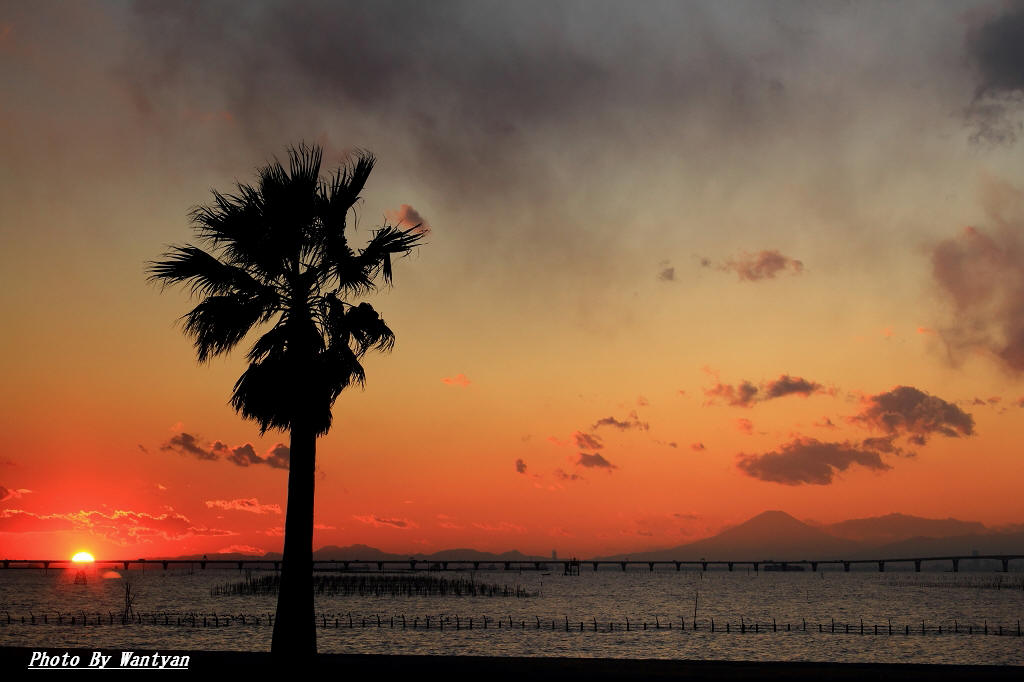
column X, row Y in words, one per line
column 734, row 600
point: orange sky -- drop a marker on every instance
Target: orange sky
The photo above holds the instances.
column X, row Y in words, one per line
column 624, row 230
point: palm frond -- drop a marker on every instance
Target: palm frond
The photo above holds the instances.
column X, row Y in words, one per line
column 359, row 327
column 237, row 224
column 207, row 275
column 219, row 323
column 265, row 394
column 347, row 182
column 357, row 273
column 272, row 343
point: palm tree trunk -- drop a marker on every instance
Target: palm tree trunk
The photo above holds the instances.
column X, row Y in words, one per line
column 294, row 626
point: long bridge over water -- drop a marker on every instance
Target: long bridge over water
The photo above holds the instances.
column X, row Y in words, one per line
column 568, row 565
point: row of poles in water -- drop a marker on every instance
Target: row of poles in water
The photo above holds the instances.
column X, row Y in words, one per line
column 337, row 621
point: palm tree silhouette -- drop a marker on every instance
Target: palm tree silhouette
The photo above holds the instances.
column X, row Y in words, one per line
column 278, row 255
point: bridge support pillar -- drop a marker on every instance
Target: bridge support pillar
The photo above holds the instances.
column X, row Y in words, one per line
column 239, row 565
column 277, row 565
column 814, row 566
column 125, row 564
column 7, row 564
column 1006, row 565
column 202, row 565
column 508, row 565
column 476, row 565
column 881, row 567
column 165, row 565
column 703, row 565
column 623, row 565
column 46, row 565
column 595, row 566
column 846, row 566
column 444, row 565
column 917, row 565
column 956, row 565
column 380, row 565
column 730, row 567
column 345, row 564
column 678, row 566
column 755, row 567
column 412, row 564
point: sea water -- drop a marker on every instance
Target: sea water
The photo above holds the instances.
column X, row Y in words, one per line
column 784, row 616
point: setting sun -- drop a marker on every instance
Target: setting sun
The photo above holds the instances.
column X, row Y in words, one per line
column 83, row 558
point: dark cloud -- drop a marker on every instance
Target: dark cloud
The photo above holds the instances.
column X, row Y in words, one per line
column 787, row 385
column 563, row 476
column 887, row 445
column 981, row 275
column 495, row 100
column 631, row 422
column 745, row 426
column 587, row 441
column 187, row 444
column 697, row 447
column 744, row 395
column 995, row 50
column 243, row 455
column 520, row 466
column 279, row 456
column 594, row 461
column 752, row 267
column 667, row 275
column 906, row 410
column 807, row 460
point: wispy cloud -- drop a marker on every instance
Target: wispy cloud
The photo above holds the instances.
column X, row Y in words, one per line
column 752, row 267
column 980, row 275
column 251, row 505
column 121, row 526
column 384, row 522
column 406, row 217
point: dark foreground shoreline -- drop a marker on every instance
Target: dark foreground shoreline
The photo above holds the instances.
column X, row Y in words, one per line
column 488, row 668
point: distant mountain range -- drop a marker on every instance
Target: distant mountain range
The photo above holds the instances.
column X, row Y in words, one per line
column 769, row 536
column 775, row 535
